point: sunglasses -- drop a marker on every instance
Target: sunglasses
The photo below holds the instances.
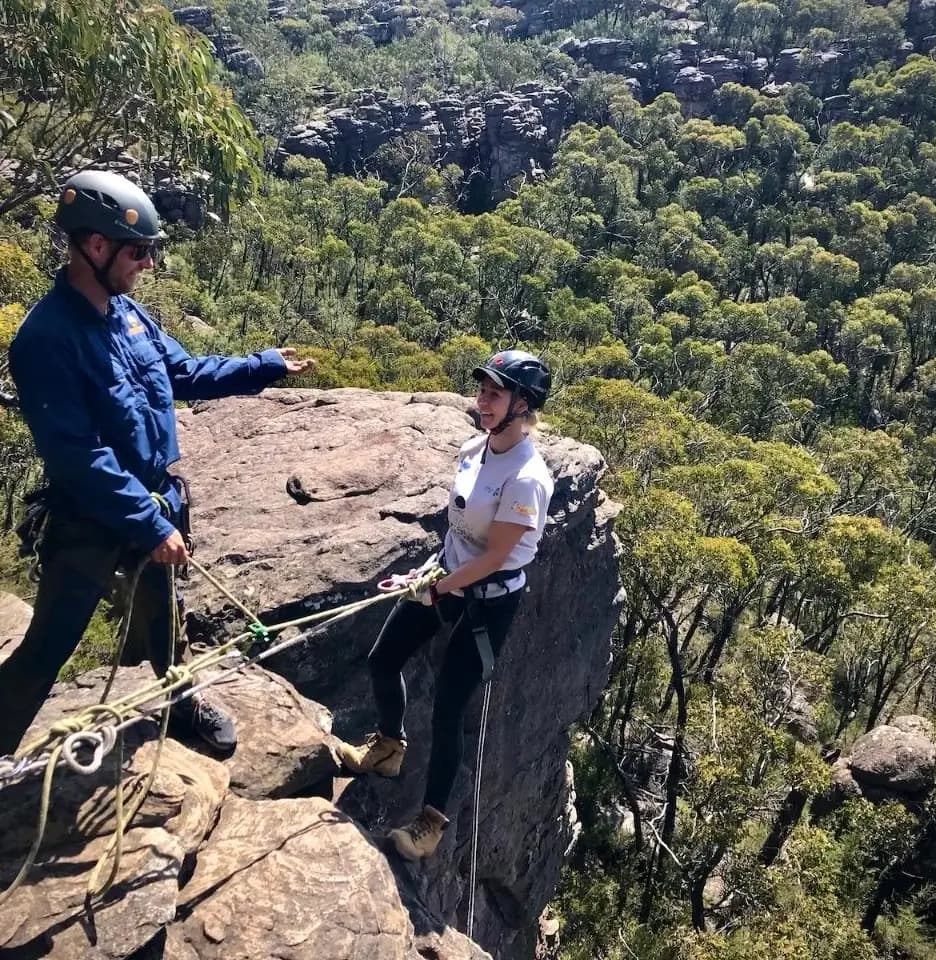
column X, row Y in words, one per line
column 140, row 251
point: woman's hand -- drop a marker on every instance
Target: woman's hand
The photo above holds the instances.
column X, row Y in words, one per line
column 502, row 538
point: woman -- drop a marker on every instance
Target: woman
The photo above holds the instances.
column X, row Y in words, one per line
column 497, row 511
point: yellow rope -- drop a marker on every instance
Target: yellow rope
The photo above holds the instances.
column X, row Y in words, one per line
column 115, row 844
column 91, row 720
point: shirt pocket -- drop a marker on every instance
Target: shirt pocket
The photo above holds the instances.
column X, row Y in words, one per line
column 149, row 373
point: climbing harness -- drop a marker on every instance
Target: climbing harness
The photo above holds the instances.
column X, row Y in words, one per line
column 474, row 610
column 101, row 726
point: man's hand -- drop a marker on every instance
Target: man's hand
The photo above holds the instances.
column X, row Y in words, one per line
column 171, row 550
column 294, row 366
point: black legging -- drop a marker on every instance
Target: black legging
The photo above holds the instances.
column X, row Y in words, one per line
column 408, row 627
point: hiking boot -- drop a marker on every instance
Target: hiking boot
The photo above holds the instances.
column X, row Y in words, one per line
column 200, row 716
column 421, row 837
column 377, row 754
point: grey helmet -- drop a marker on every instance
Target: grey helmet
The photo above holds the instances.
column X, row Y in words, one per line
column 103, row 202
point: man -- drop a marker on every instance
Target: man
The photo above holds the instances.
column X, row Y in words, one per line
column 97, row 380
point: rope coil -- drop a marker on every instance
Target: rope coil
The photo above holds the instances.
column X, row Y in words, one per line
column 101, row 742
column 101, row 726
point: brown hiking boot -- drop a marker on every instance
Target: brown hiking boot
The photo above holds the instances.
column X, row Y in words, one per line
column 421, row 837
column 377, row 754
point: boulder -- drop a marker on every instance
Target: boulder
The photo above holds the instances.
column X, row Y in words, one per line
column 47, row 918
column 694, row 90
column 284, row 743
column 197, row 325
column 291, row 878
column 894, row 761
column 916, row 725
column 890, row 758
column 46, row 913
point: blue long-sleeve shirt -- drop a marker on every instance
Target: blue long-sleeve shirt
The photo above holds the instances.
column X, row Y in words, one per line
column 97, row 393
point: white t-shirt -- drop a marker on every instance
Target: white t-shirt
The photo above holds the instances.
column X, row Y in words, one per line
column 514, row 487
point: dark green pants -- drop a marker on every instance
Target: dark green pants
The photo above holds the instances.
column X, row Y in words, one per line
column 79, row 559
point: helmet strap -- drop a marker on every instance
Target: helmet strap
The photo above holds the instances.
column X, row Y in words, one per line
column 509, row 417
column 102, row 274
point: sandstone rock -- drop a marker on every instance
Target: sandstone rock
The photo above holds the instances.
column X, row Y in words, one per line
column 184, row 799
column 46, row 912
column 714, row 891
column 787, row 67
column 178, row 202
column 836, row 109
column 284, row 745
column 694, row 90
column 296, row 878
column 378, row 467
column 284, row 742
column 15, row 617
column 538, row 16
column 47, row 917
column 197, row 325
column 889, row 758
column 916, row 725
column 724, row 69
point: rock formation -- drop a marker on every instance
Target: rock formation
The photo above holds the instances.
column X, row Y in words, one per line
column 381, row 21
column 540, row 16
column 694, row 74
column 228, row 48
column 501, row 136
column 304, row 499
column 505, row 135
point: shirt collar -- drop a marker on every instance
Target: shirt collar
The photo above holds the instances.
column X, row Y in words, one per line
column 80, row 301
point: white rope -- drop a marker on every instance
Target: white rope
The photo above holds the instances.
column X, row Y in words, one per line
column 476, row 812
column 102, row 742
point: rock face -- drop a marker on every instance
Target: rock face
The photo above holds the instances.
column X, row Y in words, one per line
column 305, row 499
column 228, row 48
column 541, row 16
column 503, row 136
column 510, row 134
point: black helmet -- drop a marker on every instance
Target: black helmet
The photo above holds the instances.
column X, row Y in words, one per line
column 519, row 371
column 103, row 202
